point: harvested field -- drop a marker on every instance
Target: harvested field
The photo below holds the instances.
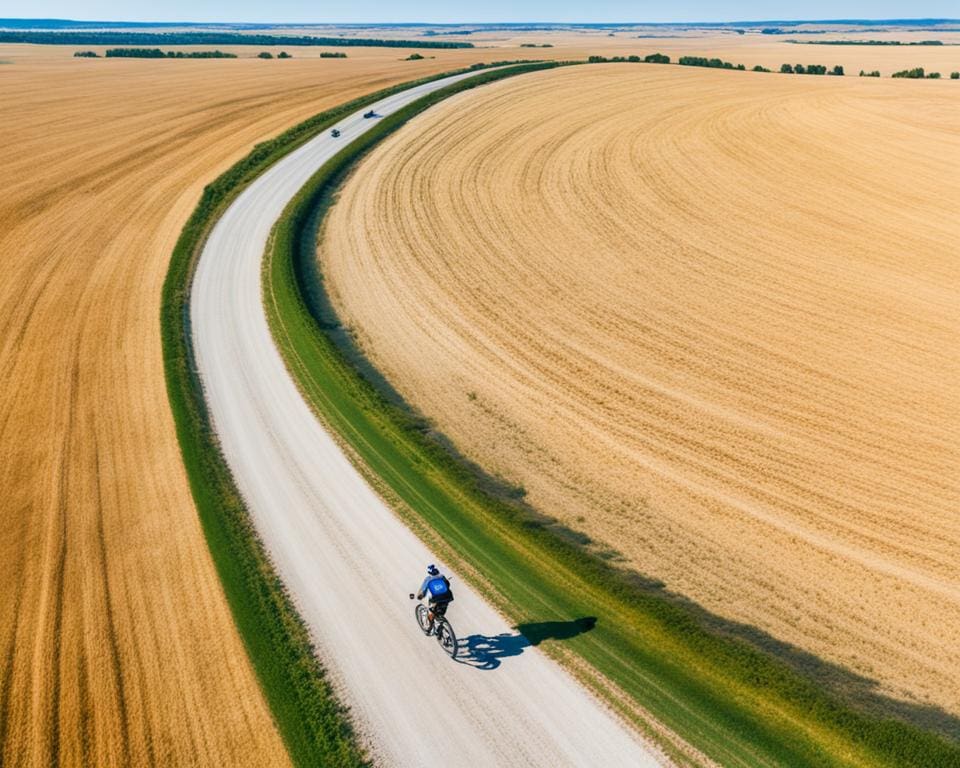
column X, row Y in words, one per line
column 117, row 644
column 707, row 318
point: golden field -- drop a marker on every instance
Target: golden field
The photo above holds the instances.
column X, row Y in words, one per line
column 116, row 642
column 708, row 319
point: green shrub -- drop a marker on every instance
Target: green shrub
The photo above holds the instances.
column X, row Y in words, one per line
column 874, row 73
column 285, row 55
column 332, row 55
column 656, row 58
column 955, row 75
column 912, row 74
column 758, row 68
column 786, row 69
column 933, row 76
column 86, row 55
column 837, row 70
column 414, row 57
column 264, row 55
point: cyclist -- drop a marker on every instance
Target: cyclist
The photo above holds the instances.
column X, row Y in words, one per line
column 438, row 587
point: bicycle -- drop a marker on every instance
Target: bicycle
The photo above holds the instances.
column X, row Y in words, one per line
column 439, row 627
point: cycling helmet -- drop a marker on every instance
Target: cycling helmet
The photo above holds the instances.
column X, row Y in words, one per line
column 433, row 570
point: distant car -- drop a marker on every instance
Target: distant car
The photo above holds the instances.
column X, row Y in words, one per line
column 369, row 114
column 335, row 133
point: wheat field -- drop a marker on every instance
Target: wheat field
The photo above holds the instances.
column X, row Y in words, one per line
column 116, row 642
column 708, row 319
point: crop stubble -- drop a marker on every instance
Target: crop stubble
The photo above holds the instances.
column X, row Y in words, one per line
column 116, row 643
column 707, row 318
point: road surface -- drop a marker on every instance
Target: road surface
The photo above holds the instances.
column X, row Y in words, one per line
column 347, row 560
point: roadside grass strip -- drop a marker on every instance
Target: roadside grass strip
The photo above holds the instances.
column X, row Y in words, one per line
column 735, row 703
column 315, row 727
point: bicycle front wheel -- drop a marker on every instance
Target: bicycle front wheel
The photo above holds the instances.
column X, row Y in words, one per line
column 446, row 638
column 423, row 618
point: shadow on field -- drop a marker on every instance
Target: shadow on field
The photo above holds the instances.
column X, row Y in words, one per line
column 863, row 693
column 488, row 651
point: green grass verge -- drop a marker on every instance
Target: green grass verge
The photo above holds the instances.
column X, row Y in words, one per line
column 739, row 705
column 314, row 726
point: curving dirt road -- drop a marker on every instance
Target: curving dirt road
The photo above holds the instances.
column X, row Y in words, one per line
column 344, row 556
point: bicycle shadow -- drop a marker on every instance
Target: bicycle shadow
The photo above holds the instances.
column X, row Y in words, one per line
column 487, row 652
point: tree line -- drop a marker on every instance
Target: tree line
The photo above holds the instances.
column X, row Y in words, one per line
column 156, row 53
column 810, row 69
column 209, row 38
column 653, row 58
column 918, row 73
column 866, row 42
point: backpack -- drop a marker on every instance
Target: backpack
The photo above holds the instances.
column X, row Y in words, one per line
column 439, row 588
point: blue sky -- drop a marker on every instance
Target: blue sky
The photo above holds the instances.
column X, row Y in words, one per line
column 442, row 11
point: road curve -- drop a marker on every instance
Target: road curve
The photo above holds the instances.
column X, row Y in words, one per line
column 347, row 560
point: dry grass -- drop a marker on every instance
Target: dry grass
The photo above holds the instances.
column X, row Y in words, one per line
column 709, row 319
column 116, row 642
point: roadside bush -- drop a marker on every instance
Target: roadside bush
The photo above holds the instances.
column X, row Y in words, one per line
column 911, row 74
column 656, row 58
column 86, row 55
column 875, row 73
column 265, row 55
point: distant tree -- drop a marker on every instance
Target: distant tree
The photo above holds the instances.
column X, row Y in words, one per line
column 874, row 73
column 758, row 68
column 656, row 58
column 332, row 55
column 284, row 55
column 264, row 55
column 933, row 76
column 799, row 69
column 837, row 70
column 87, row 55
column 786, row 69
column 955, row 75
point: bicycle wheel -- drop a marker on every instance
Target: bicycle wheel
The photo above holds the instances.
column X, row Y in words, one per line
column 446, row 638
column 423, row 620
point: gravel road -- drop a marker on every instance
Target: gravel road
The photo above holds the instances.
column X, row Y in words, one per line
column 347, row 559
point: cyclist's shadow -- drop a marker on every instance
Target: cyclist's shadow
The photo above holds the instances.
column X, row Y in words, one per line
column 488, row 651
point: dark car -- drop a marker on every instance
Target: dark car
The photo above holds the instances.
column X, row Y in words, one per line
column 335, row 133
column 370, row 114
